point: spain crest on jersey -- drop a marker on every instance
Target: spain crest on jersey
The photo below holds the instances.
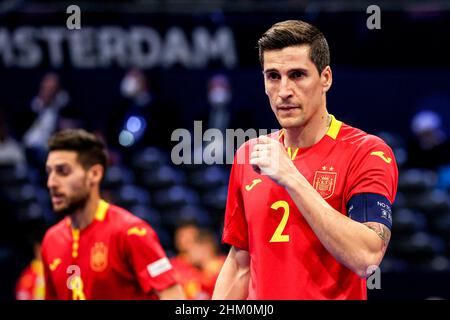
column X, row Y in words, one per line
column 99, row 257
column 324, row 183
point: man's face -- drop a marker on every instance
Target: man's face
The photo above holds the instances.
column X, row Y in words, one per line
column 67, row 182
column 185, row 238
column 294, row 86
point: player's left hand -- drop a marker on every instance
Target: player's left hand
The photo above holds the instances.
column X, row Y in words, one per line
column 270, row 158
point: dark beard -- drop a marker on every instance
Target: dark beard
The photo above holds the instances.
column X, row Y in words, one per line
column 75, row 204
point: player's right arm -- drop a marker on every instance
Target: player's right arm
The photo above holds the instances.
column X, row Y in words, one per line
column 153, row 269
column 233, row 280
column 234, row 277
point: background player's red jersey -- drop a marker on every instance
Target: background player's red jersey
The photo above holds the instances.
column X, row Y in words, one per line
column 189, row 277
column 118, row 256
column 31, row 283
column 288, row 261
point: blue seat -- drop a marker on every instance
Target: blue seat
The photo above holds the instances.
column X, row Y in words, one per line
column 29, row 212
column 209, row 177
column 407, row 222
column 444, row 177
column 440, row 263
column 149, row 159
column 416, row 180
column 418, row 248
column 116, row 176
column 392, row 264
column 129, row 195
column 175, row 197
column 400, row 201
column 162, row 177
column 148, row 214
column 21, row 193
column 431, row 202
column 441, row 225
column 200, row 215
column 13, row 174
column 216, row 199
column 165, row 239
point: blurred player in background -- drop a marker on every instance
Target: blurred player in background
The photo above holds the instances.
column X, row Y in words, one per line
column 98, row 250
column 198, row 262
column 186, row 273
column 206, row 257
column 308, row 212
column 31, row 282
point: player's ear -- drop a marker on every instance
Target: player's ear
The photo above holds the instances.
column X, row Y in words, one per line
column 95, row 173
column 326, row 78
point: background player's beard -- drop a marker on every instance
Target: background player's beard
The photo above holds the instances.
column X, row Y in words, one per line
column 74, row 203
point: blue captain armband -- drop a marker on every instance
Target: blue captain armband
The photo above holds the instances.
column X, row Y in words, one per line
column 370, row 207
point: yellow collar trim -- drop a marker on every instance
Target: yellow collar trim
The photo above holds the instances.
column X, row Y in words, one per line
column 292, row 155
column 101, row 210
column 334, row 128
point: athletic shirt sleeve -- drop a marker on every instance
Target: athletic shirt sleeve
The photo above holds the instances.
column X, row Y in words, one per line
column 147, row 258
column 50, row 290
column 374, row 170
column 235, row 230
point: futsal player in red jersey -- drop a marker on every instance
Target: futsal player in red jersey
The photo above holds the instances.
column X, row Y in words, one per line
column 308, row 213
column 98, row 250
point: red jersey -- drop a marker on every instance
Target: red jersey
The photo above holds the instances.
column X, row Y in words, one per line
column 188, row 276
column 210, row 274
column 118, row 256
column 31, row 283
column 197, row 284
column 287, row 260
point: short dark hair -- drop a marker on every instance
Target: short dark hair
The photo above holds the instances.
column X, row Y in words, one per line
column 293, row 33
column 89, row 148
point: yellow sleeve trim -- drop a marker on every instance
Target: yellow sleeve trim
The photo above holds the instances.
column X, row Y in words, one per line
column 334, row 128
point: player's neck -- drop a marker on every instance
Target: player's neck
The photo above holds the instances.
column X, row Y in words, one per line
column 309, row 134
column 84, row 216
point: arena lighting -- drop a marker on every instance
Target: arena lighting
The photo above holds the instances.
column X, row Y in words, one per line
column 126, row 138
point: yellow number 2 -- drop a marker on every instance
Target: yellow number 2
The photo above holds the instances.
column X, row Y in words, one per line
column 278, row 235
column 77, row 289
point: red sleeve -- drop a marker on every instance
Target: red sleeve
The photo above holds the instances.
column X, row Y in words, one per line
column 235, row 230
column 374, row 170
column 147, row 258
column 24, row 285
column 50, row 291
